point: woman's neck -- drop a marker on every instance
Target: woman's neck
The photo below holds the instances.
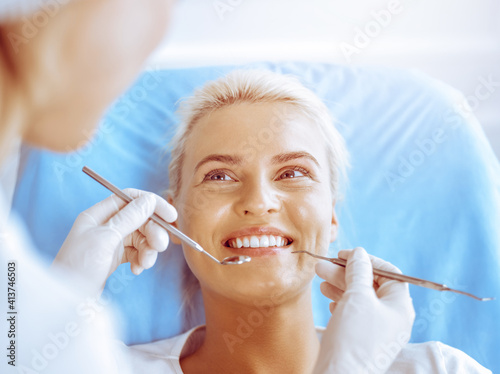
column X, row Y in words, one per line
column 261, row 337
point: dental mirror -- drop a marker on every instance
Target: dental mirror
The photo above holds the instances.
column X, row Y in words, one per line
column 235, row 260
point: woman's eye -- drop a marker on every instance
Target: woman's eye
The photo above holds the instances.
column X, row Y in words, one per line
column 217, row 176
column 293, row 173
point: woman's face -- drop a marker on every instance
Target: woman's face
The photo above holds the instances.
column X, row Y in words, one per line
column 255, row 182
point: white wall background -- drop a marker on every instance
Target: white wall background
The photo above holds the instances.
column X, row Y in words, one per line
column 457, row 41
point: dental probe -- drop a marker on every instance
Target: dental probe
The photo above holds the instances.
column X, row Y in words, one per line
column 233, row 260
column 401, row 277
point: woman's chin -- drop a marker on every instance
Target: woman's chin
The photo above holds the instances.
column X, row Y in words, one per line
column 267, row 283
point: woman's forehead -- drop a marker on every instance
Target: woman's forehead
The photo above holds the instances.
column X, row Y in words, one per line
column 263, row 129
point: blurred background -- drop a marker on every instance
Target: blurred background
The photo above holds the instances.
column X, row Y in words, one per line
column 456, row 41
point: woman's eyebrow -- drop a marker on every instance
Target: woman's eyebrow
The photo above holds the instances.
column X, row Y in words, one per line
column 285, row 157
column 228, row 159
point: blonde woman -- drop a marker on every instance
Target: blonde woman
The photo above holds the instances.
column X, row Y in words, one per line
column 256, row 170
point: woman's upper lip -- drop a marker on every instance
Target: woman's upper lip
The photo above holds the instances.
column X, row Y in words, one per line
column 256, row 230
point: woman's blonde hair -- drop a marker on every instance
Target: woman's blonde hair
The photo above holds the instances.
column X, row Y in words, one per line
column 249, row 86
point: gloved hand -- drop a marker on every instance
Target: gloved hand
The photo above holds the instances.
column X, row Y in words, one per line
column 111, row 233
column 372, row 316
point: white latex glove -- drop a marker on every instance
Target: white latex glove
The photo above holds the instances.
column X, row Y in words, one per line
column 372, row 317
column 111, row 233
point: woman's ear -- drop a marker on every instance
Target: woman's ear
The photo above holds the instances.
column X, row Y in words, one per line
column 334, row 226
column 173, row 239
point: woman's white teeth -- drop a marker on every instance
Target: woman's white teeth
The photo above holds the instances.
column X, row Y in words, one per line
column 254, row 242
column 272, row 241
column 261, row 241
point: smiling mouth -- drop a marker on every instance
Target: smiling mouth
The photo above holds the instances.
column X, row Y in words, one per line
column 258, row 241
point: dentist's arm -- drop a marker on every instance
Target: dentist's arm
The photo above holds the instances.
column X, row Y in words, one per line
column 372, row 317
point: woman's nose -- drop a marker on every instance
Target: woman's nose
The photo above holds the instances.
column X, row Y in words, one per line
column 258, row 198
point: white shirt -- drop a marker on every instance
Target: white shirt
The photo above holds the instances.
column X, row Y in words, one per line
column 164, row 356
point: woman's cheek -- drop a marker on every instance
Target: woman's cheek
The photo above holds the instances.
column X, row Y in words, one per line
column 317, row 218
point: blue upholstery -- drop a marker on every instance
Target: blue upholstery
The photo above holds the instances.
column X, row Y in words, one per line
column 423, row 194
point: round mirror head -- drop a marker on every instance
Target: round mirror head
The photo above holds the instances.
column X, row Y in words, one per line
column 236, row 260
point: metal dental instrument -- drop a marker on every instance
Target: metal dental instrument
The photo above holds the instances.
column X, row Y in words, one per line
column 401, row 277
column 233, row 260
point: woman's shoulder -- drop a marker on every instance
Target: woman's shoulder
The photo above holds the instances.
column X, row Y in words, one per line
column 435, row 357
column 162, row 356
